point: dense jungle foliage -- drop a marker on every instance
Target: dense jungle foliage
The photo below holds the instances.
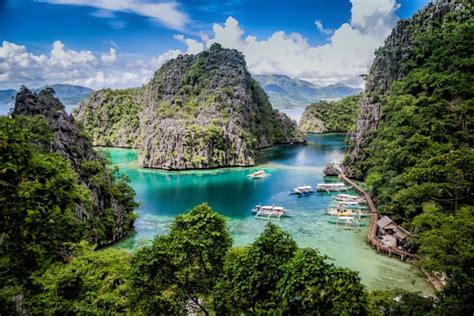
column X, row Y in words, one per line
column 194, row 268
column 40, row 202
column 420, row 162
column 331, row 116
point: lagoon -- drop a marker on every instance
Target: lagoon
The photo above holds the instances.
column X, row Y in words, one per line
column 165, row 194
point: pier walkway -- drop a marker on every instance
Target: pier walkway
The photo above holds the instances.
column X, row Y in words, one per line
column 372, row 233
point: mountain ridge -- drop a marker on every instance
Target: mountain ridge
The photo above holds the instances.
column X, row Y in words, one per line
column 285, row 92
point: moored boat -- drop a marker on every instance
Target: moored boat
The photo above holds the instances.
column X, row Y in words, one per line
column 345, row 212
column 332, row 187
column 349, row 198
column 303, row 190
column 270, row 212
column 258, row 174
column 346, row 221
column 348, row 205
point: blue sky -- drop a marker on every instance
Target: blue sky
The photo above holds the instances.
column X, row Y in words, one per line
column 143, row 34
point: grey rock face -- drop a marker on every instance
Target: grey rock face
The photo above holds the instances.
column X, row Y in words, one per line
column 310, row 124
column 333, row 168
column 198, row 111
column 70, row 142
column 386, row 68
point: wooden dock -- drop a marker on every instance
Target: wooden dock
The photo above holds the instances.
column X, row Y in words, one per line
column 372, row 233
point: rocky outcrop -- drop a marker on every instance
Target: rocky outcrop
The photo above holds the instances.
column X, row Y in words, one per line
column 389, row 65
column 311, row 124
column 198, row 111
column 70, row 141
column 333, row 168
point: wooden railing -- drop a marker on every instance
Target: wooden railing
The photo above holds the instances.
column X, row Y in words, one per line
column 372, row 233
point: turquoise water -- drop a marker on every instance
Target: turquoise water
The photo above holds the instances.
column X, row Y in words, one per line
column 164, row 194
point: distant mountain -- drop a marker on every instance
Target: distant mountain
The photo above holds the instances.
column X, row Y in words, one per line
column 69, row 95
column 286, row 92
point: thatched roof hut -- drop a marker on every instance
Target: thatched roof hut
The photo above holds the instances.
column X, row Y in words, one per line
column 386, row 225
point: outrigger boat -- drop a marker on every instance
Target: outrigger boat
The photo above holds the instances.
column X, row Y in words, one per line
column 270, row 212
column 349, row 198
column 258, row 174
column 346, row 221
column 345, row 212
column 303, row 190
column 332, row 187
column 348, row 205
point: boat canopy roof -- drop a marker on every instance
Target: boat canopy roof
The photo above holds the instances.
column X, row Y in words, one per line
column 347, row 196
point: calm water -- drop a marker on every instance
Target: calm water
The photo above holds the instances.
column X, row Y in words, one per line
column 166, row 194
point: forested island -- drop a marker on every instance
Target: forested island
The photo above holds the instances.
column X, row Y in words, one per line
column 198, row 111
column 410, row 140
column 330, row 116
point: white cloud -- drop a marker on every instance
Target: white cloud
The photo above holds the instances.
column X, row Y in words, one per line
column 346, row 56
column 110, row 57
column 374, row 17
column 66, row 58
column 193, row 46
column 167, row 13
column 19, row 66
column 320, row 27
column 158, row 61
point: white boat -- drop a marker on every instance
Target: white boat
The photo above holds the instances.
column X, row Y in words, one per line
column 303, row 190
column 346, row 221
column 341, row 212
column 270, row 212
column 349, row 198
column 348, row 205
column 332, row 187
column 258, row 174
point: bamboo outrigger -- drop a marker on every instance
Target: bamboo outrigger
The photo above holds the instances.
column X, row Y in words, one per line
column 270, row 212
column 258, row 174
column 332, row 187
column 303, row 190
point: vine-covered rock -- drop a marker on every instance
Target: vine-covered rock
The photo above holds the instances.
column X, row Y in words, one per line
column 198, row 111
column 392, row 62
column 109, row 214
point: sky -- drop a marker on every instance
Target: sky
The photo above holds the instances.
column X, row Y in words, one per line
column 120, row 43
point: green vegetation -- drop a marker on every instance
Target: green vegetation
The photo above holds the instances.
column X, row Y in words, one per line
column 194, row 268
column 90, row 282
column 119, row 112
column 46, row 205
column 420, row 162
column 272, row 276
column 212, row 90
column 331, row 116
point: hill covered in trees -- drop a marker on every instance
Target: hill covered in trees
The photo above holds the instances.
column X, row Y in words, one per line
column 330, row 116
column 414, row 137
column 198, row 111
column 56, row 190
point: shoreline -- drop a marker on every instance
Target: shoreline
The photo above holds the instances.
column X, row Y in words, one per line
column 207, row 168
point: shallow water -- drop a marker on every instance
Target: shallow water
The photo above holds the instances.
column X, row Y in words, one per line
column 166, row 194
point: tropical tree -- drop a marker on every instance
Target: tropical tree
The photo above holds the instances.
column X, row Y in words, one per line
column 179, row 270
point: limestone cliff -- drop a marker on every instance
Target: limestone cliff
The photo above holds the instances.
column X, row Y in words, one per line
column 391, row 63
column 111, row 215
column 198, row 111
